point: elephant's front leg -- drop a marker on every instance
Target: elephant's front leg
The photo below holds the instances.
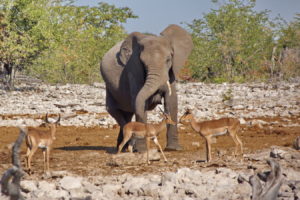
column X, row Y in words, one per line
column 171, row 106
column 139, row 144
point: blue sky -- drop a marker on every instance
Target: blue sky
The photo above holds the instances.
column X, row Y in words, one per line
column 155, row 15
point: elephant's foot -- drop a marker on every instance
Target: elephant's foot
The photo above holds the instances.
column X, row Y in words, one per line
column 140, row 145
column 173, row 147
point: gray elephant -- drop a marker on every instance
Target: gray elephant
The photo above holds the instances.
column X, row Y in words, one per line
column 141, row 70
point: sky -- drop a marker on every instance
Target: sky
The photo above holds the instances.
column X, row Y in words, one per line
column 155, row 15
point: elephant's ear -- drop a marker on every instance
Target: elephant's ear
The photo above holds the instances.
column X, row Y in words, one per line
column 129, row 45
column 182, row 45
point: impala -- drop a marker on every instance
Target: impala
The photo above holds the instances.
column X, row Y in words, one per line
column 42, row 139
column 149, row 131
column 213, row 128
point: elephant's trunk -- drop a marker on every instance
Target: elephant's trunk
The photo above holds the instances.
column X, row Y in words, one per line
column 153, row 82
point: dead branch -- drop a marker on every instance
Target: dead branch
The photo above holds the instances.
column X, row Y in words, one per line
column 12, row 189
column 273, row 181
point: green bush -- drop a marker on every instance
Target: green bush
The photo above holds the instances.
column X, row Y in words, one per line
column 230, row 42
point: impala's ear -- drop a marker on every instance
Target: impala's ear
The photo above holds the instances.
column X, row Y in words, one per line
column 188, row 111
column 182, row 45
column 161, row 115
column 46, row 119
column 130, row 46
column 58, row 120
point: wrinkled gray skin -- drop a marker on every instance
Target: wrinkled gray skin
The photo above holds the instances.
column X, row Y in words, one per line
column 136, row 71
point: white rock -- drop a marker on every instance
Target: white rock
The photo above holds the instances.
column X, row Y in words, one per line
column 242, row 121
column 55, row 194
column 167, row 191
column 111, row 188
column 69, row 182
column 29, row 185
column 134, row 185
column 46, row 186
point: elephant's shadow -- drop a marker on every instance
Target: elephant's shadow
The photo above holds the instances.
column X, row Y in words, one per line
column 110, row 150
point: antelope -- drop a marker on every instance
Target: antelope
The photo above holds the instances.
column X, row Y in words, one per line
column 145, row 130
column 213, row 128
column 42, row 139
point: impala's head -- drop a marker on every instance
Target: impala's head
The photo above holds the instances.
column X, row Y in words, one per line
column 167, row 118
column 186, row 117
column 52, row 125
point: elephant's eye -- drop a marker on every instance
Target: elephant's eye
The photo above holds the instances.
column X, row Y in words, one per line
column 168, row 61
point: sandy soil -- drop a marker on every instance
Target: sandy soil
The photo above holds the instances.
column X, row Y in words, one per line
column 88, row 151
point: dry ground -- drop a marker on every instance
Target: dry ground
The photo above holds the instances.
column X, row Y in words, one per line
column 88, row 151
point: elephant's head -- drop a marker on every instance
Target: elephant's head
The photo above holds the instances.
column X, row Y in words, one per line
column 160, row 56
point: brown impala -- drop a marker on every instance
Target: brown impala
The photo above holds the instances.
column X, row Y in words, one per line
column 213, row 128
column 148, row 131
column 43, row 139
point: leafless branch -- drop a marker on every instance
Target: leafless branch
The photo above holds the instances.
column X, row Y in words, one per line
column 272, row 179
column 12, row 188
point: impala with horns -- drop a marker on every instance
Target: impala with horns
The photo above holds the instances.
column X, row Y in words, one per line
column 213, row 128
column 133, row 130
column 42, row 139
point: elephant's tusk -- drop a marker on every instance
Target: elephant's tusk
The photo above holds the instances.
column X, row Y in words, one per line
column 169, row 87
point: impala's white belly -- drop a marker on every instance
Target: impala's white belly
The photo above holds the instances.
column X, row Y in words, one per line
column 43, row 145
column 220, row 133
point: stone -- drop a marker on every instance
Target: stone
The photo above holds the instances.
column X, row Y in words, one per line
column 111, row 188
column 151, row 190
column 296, row 144
column 99, row 195
column 28, row 186
column 90, row 188
column 134, row 185
column 77, row 193
column 167, row 191
column 46, row 186
column 69, row 182
column 242, row 121
column 55, row 194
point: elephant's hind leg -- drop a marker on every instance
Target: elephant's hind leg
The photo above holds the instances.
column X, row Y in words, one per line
column 120, row 116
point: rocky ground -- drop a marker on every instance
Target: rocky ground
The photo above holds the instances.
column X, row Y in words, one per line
column 83, row 160
column 84, row 105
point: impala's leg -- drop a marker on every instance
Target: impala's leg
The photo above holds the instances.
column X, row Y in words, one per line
column 148, row 146
column 130, row 148
column 208, row 148
column 44, row 156
column 26, row 157
column 33, row 150
column 233, row 133
column 48, row 158
column 236, row 140
column 127, row 135
column 157, row 143
column 240, row 142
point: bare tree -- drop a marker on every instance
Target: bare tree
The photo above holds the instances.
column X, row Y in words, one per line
column 10, row 181
column 273, row 181
column 8, row 73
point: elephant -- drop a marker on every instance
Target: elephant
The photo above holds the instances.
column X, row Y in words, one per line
column 141, row 71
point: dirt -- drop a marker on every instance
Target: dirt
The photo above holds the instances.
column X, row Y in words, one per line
column 87, row 151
